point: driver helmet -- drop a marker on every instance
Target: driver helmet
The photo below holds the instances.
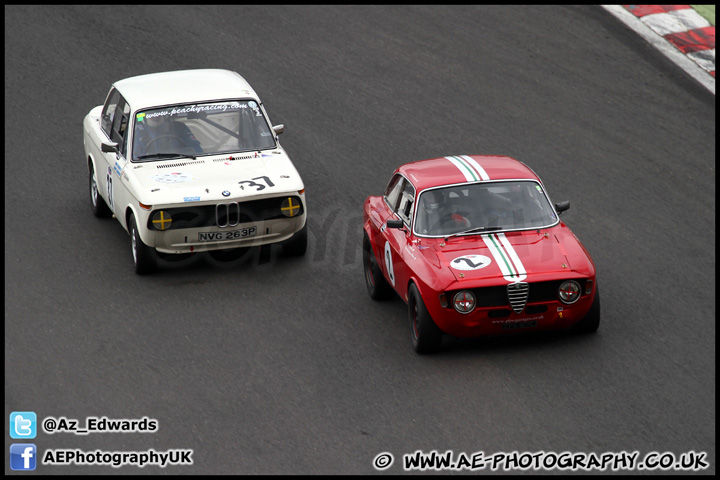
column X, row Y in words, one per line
column 431, row 202
column 153, row 120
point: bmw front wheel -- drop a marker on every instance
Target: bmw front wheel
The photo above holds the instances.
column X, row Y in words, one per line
column 144, row 257
column 296, row 246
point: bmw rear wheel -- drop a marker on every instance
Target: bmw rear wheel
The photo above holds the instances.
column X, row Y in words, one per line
column 144, row 257
column 425, row 334
column 99, row 207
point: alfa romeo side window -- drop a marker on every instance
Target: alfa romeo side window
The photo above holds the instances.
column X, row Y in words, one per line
column 407, row 199
column 393, row 192
column 108, row 113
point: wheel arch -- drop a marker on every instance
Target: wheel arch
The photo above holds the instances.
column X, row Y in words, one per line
column 371, row 235
column 92, row 163
column 126, row 220
column 430, row 297
column 417, row 272
column 420, row 285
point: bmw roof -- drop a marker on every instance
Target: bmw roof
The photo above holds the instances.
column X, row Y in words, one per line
column 184, row 86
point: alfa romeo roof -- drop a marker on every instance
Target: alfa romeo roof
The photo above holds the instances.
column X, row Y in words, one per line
column 465, row 168
column 183, row 86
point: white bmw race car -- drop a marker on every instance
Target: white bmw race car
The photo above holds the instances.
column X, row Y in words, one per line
column 188, row 161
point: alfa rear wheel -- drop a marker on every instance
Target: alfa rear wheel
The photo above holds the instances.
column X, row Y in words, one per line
column 378, row 287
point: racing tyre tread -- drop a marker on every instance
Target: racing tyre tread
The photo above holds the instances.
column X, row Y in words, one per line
column 97, row 203
column 591, row 321
column 425, row 334
column 144, row 257
column 378, row 287
column 296, row 246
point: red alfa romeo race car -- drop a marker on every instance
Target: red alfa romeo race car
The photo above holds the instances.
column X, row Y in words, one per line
column 474, row 246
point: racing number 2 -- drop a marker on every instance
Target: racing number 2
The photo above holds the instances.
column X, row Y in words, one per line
column 389, row 263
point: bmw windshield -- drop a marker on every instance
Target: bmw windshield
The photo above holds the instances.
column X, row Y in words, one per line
column 479, row 207
column 200, row 129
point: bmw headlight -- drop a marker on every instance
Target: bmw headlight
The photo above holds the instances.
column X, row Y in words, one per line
column 290, row 207
column 161, row 220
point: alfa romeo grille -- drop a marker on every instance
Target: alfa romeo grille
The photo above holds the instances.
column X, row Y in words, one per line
column 517, row 295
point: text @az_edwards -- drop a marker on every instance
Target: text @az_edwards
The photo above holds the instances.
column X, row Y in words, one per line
column 99, row 425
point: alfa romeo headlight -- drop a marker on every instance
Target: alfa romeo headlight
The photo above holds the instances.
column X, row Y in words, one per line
column 569, row 291
column 464, row 301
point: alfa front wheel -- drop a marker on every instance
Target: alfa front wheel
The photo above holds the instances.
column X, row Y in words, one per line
column 591, row 321
column 425, row 334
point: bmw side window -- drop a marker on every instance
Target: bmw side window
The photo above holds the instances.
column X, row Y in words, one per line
column 393, row 190
column 124, row 119
column 108, row 113
column 120, row 122
column 123, row 146
column 124, row 127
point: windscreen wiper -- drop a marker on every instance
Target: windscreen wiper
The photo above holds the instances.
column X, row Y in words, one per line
column 166, row 155
column 473, row 230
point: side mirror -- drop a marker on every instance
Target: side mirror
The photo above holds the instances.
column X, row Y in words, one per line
column 278, row 129
column 109, row 147
column 395, row 224
column 562, row 206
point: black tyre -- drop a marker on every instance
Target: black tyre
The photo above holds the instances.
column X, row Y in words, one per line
column 425, row 334
column 228, row 255
column 144, row 257
column 296, row 246
column 98, row 205
column 591, row 321
column 173, row 257
column 378, row 287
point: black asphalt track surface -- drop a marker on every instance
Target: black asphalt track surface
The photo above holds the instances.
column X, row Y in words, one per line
column 272, row 365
